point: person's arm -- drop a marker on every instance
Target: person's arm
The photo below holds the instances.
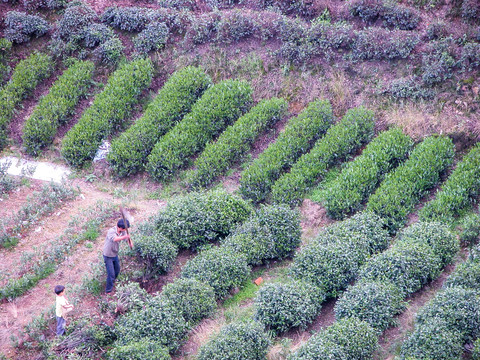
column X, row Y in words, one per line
column 121, row 237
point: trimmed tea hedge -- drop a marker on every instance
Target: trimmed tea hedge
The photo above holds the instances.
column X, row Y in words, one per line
column 219, row 107
column 128, row 153
column 236, row 141
column 299, row 136
column 358, row 180
column 139, row 350
column 27, row 75
column 199, row 218
column 347, row 339
column 282, row 306
column 273, row 232
column 403, row 188
column 342, row 139
column 237, row 341
column 55, row 108
column 219, row 267
column 459, row 191
column 156, row 251
column 108, row 113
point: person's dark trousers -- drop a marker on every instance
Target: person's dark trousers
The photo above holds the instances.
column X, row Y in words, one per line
column 112, row 264
column 60, row 326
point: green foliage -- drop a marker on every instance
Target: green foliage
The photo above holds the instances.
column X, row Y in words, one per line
column 72, row 25
column 194, row 299
column 237, row 341
column 400, row 17
column 27, row 75
column 273, row 232
column 21, row 26
column 403, row 188
column 218, row 107
column 127, row 18
column 355, row 128
column 466, row 275
column 157, row 321
column 236, row 141
column 142, row 349
column 129, row 151
column 346, row 339
column 299, row 135
column 97, row 34
column 108, row 112
column 438, row 62
column 360, row 177
column 373, row 302
column 219, row 267
column 476, row 350
column 282, row 306
column 201, row 217
column 55, row 108
column 470, row 10
column 110, row 52
column 130, row 297
column 235, row 26
column 153, row 37
column 156, row 251
column 367, row 10
column 470, row 229
column 470, row 56
column 409, row 88
column 459, row 191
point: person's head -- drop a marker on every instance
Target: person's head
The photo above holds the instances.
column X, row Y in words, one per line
column 121, row 224
column 59, row 289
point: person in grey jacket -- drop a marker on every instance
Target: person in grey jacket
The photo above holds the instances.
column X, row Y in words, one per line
column 110, row 252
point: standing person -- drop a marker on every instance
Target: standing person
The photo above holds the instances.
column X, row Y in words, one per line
column 62, row 307
column 110, row 251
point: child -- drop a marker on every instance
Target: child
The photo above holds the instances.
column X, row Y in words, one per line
column 62, row 307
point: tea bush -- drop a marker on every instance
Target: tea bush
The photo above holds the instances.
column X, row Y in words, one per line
column 5, row 47
column 153, row 37
column 436, row 30
column 459, row 191
column 466, row 275
column 158, row 321
column 130, row 297
column 470, row 56
column 76, row 19
column 346, row 339
column 110, row 52
column 409, row 88
column 127, row 18
column 178, row 4
column 237, row 341
column 273, row 232
column 128, row 153
column 97, row 34
column 282, row 306
column 156, row 251
column 361, row 176
column 476, row 350
column 296, row 46
column 55, row 108
column 203, row 28
column 373, row 302
column 139, row 350
column 355, row 128
column 27, row 75
column 194, row 299
column 438, row 236
column 218, row 107
column 438, row 62
column 400, row 17
column 199, row 218
column 367, row 10
column 470, row 10
column 470, row 229
column 235, row 26
column 403, row 188
column 20, row 26
column 235, row 141
column 219, row 267
column 108, row 112
column 298, row 136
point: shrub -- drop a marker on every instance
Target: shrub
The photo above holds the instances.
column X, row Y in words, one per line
column 436, row 30
column 198, row 218
column 127, row 18
column 408, row 266
column 326, row 37
column 437, row 62
column 470, row 229
column 74, row 22
column 194, row 299
column 20, row 26
column 234, row 26
column 178, row 4
column 400, row 17
column 139, row 350
column 297, row 47
column 361, row 176
column 237, row 341
column 273, row 232
column 128, row 153
column 355, row 128
column 108, row 112
column 459, row 191
column 97, row 34
column 27, row 75
column 347, row 339
column 299, row 135
column 235, row 141
column 367, row 10
column 110, row 52
column 403, row 188
column 203, row 28
column 218, row 107
column 470, row 56
column 476, row 350
column 156, row 251
column 282, row 306
column 409, row 88
column 153, row 37
column 158, row 321
column 470, row 10
column 373, row 302
column 130, row 297
column 5, row 47
column 55, row 108
column 383, row 44
column 438, row 236
column 466, row 275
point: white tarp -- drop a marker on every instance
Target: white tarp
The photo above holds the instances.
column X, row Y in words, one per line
column 34, row 169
